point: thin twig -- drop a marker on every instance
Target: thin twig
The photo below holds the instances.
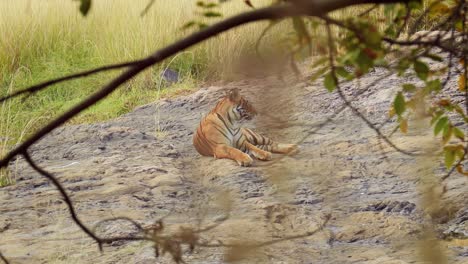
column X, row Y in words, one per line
column 65, row 196
column 311, row 8
column 348, row 103
column 147, row 8
column 405, row 22
column 41, row 86
column 367, row 11
column 133, row 222
column 4, row 259
column 271, row 242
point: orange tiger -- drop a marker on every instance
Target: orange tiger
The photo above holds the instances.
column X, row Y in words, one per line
column 220, row 135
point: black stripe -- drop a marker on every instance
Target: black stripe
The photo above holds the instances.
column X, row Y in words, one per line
column 234, row 112
column 221, row 131
column 229, row 119
column 253, row 135
column 224, row 122
column 236, row 132
column 237, row 142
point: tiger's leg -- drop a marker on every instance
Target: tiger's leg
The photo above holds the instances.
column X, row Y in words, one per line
column 284, row 148
column 267, row 144
column 257, row 152
column 227, row 152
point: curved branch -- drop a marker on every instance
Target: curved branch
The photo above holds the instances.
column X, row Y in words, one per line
column 4, row 259
column 348, row 103
column 65, row 196
column 275, row 241
column 123, row 218
column 311, row 8
column 41, row 86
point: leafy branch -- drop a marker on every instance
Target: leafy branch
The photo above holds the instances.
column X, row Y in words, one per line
column 171, row 244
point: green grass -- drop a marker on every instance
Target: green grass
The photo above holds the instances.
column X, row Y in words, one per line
column 45, row 39
column 41, row 40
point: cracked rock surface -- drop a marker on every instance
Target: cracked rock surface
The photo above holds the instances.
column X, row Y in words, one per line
column 142, row 165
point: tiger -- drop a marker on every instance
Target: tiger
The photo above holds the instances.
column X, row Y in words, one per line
column 220, row 135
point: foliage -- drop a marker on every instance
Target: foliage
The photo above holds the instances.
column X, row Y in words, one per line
column 355, row 46
column 53, row 39
column 365, row 45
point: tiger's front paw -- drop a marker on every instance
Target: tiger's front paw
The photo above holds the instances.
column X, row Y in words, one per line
column 245, row 161
column 265, row 156
column 292, row 149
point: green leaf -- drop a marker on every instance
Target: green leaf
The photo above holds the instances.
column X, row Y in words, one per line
column 189, row 24
column 403, row 65
column 441, row 124
column 434, row 85
column 399, row 104
column 318, row 73
column 202, row 25
column 202, row 4
column 460, row 152
column 319, row 62
column 373, row 37
column 458, row 133
column 85, row 6
column 415, row 4
column 300, row 28
column 391, row 31
column 436, row 117
column 364, row 62
column 408, row 87
column 212, row 14
column 459, row 25
column 350, row 57
column 447, row 134
column 421, row 69
column 329, row 82
column 210, row 5
column 341, row 71
column 434, row 57
column 449, row 158
column 389, row 9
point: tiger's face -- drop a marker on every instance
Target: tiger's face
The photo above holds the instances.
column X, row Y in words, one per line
column 242, row 107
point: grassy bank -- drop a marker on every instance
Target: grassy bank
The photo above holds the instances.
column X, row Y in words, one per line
column 45, row 39
column 40, row 40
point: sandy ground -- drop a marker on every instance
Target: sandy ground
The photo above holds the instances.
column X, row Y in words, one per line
column 143, row 165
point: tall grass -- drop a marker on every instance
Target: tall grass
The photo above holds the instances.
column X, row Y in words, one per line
column 43, row 39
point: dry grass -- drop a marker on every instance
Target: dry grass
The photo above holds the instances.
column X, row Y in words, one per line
column 40, row 40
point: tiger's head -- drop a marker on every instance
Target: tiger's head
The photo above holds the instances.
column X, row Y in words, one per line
column 240, row 106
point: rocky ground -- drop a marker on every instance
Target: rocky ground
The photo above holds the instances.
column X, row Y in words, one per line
column 142, row 165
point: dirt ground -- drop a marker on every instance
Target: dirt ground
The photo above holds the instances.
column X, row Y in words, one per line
column 143, row 165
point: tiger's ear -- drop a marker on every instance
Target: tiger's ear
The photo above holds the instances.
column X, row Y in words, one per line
column 234, row 95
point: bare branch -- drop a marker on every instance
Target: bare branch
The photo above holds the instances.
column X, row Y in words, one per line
column 348, row 103
column 310, row 8
column 271, row 242
column 4, row 259
column 367, row 11
column 65, row 196
column 41, row 86
column 133, row 222
column 147, row 8
column 405, row 22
